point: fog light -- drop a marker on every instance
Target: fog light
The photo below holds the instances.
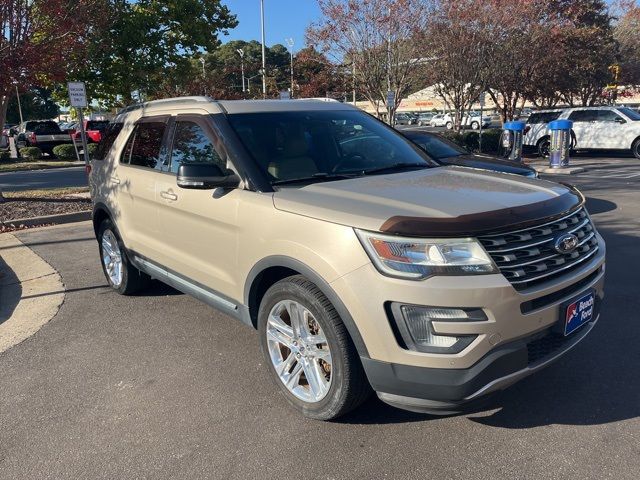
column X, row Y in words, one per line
column 416, row 327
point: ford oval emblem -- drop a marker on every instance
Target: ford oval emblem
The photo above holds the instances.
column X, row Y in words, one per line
column 566, row 243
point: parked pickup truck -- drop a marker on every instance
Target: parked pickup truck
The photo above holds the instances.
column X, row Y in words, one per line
column 94, row 129
column 44, row 134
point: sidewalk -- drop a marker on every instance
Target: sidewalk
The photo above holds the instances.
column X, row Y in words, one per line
column 31, row 292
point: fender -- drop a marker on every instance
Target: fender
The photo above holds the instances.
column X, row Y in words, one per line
column 325, row 288
column 100, row 206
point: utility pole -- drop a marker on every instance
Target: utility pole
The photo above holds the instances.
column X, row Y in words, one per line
column 204, row 75
column 290, row 44
column 19, row 105
column 353, row 75
column 389, row 107
column 264, row 61
column 241, row 53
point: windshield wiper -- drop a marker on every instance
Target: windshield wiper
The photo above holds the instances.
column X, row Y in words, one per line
column 395, row 166
column 320, row 177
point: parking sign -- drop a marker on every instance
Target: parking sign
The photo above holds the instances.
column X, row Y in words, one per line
column 77, row 94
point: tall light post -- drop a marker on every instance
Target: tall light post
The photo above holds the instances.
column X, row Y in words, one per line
column 19, row 104
column 204, row 75
column 241, row 53
column 264, row 61
column 290, row 45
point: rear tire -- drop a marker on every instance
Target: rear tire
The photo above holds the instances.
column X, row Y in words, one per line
column 543, row 147
column 475, row 126
column 449, row 125
column 122, row 276
column 301, row 335
column 635, row 148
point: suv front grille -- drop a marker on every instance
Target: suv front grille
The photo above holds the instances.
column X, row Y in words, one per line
column 527, row 257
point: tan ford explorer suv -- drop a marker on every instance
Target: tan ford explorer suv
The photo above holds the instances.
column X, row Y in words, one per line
column 362, row 265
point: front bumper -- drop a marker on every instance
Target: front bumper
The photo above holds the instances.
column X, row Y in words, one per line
column 445, row 391
column 501, row 354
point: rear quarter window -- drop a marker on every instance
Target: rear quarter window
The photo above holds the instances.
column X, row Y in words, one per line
column 106, row 142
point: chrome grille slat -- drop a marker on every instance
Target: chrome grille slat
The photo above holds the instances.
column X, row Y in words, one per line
column 527, row 256
column 541, row 242
column 572, row 264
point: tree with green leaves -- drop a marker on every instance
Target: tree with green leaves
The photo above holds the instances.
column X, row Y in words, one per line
column 36, row 104
column 146, row 47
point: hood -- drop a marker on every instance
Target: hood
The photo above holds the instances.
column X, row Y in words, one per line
column 488, row 163
column 444, row 201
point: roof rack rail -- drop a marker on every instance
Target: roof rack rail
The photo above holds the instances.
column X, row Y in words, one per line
column 166, row 101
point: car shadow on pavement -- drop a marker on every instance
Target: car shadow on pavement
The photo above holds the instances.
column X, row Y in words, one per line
column 598, row 205
column 158, row 289
column 10, row 291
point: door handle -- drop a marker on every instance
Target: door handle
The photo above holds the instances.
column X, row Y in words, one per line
column 115, row 180
column 168, row 195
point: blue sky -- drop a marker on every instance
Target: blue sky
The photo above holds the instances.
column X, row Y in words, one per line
column 283, row 19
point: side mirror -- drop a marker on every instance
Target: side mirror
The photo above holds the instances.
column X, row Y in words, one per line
column 620, row 120
column 205, row 176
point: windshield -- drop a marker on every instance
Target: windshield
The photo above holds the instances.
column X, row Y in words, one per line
column 437, row 147
column 632, row 114
column 322, row 145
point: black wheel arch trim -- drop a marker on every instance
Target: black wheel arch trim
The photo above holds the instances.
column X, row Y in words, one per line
column 100, row 206
column 323, row 285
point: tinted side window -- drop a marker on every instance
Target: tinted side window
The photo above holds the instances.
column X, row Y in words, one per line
column 584, row 116
column 106, row 142
column 143, row 146
column 543, row 117
column 608, row 116
column 191, row 144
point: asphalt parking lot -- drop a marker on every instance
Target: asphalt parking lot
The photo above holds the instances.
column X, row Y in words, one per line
column 161, row 386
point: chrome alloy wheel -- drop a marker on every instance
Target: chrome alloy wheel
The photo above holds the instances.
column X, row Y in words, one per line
column 112, row 258
column 299, row 351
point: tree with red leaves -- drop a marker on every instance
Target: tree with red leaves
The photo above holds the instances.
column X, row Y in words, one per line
column 384, row 38
column 38, row 39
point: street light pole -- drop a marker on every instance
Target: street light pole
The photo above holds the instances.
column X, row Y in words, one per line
column 290, row 44
column 264, row 61
column 241, row 53
column 204, row 75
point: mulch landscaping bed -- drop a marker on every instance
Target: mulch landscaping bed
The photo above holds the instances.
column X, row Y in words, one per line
column 37, row 203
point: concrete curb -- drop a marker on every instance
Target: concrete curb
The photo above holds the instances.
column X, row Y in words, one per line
column 31, row 292
column 46, row 219
column 559, row 171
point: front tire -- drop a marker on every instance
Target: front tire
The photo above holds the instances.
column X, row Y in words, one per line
column 308, row 350
column 635, row 148
column 122, row 276
column 475, row 126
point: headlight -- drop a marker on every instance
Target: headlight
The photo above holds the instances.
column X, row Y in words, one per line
column 418, row 258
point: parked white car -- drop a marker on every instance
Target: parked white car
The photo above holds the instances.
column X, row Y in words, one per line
column 594, row 128
column 471, row 119
column 438, row 120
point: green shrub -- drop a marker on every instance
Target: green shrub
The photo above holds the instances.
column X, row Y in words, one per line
column 5, row 155
column 30, row 153
column 91, row 148
column 491, row 141
column 455, row 137
column 470, row 140
column 65, row 151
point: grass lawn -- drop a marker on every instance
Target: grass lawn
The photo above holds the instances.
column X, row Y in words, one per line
column 19, row 165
